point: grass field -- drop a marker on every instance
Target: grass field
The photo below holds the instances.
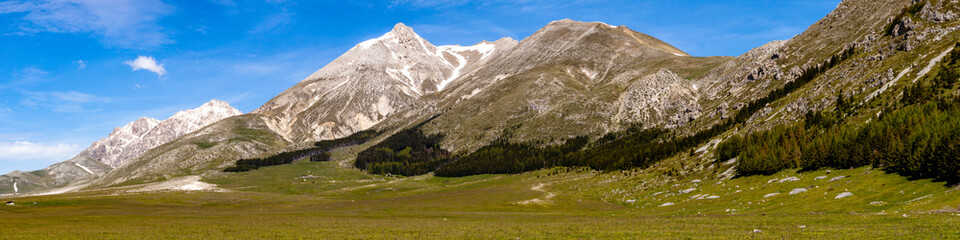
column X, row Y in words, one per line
column 344, row 203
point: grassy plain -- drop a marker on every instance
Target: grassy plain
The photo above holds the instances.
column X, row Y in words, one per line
column 343, row 203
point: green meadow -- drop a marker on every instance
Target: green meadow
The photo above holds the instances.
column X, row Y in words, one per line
column 334, row 202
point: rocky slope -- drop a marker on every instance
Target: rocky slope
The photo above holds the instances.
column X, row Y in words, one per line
column 568, row 79
column 123, row 144
column 883, row 59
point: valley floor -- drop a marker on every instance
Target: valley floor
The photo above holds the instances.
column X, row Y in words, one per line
column 324, row 200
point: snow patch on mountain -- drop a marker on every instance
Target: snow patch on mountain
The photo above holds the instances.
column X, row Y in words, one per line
column 85, row 169
column 461, row 62
column 386, row 37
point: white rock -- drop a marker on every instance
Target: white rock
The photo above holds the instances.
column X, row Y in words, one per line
column 688, row 190
column 770, row 195
column 666, row 204
column 797, row 190
column 837, row 178
column 757, row 231
column 789, row 179
column 819, row 177
column 712, row 197
column 631, row 201
column 843, row 195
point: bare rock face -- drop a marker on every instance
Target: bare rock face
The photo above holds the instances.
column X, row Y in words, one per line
column 929, row 13
column 660, row 97
column 732, row 77
column 109, row 149
column 902, row 27
column 133, row 139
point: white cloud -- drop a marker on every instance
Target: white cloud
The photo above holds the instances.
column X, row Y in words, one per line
column 80, row 64
column 21, row 151
column 128, row 24
column 147, row 63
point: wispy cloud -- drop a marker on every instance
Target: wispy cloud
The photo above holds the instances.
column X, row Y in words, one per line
column 273, row 21
column 22, row 151
column 279, row 16
column 200, row 29
column 70, row 101
column 128, row 24
column 81, row 64
column 147, row 63
column 25, row 76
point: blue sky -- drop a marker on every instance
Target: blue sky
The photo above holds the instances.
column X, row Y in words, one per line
column 72, row 70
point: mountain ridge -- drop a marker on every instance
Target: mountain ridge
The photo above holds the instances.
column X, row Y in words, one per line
column 117, row 148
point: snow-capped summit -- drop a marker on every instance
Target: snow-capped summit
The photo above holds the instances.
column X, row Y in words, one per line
column 371, row 81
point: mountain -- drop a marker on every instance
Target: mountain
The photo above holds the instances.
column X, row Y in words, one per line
column 836, row 132
column 568, row 79
column 130, row 141
column 562, row 75
column 109, row 149
column 124, row 143
column 370, row 82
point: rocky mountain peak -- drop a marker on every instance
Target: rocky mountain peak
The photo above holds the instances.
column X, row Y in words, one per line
column 504, row 43
column 133, row 139
column 401, row 36
column 402, row 31
column 122, row 145
column 567, row 30
column 212, row 109
column 569, row 23
column 371, row 81
column 138, row 127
